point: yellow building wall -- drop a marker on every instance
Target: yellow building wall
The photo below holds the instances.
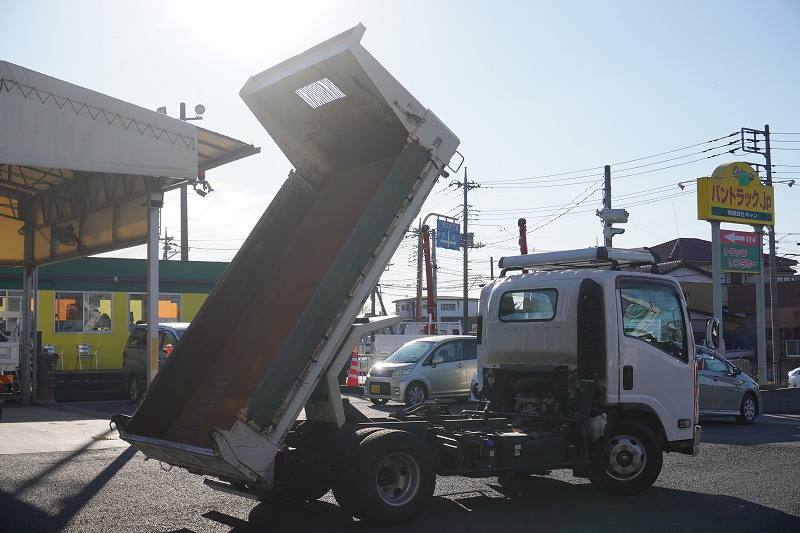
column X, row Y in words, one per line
column 109, row 344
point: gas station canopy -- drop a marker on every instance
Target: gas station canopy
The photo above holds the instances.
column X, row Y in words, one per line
column 78, row 168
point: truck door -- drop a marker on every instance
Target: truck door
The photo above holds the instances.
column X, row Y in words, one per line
column 655, row 366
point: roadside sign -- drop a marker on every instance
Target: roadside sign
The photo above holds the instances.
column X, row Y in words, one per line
column 734, row 193
column 740, row 251
column 448, row 234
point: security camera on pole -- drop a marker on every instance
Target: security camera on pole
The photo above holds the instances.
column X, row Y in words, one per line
column 612, row 216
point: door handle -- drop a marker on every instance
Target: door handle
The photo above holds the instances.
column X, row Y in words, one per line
column 627, row 377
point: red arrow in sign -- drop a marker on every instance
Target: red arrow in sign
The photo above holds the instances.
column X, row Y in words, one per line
column 748, row 238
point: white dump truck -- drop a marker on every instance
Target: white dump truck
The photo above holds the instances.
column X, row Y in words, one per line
column 595, row 374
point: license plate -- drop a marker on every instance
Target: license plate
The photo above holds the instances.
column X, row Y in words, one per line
column 375, row 389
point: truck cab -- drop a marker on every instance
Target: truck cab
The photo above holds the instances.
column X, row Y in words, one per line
column 579, row 328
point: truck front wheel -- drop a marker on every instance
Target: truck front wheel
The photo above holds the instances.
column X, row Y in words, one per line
column 394, row 481
column 632, row 459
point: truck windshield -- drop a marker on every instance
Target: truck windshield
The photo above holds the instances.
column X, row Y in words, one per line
column 410, row 352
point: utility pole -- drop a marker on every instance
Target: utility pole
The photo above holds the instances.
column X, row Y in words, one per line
column 199, row 109
column 169, row 246
column 773, row 276
column 608, row 215
column 418, row 313
column 184, row 224
column 607, row 204
column 466, row 243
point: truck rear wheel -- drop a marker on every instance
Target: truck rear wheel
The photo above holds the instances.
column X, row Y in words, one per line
column 394, row 481
column 632, row 459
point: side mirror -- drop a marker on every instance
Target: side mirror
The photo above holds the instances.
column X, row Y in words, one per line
column 737, row 371
column 712, row 333
column 437, row 359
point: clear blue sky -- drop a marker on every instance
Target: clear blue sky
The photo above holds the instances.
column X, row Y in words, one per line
column 542, row 95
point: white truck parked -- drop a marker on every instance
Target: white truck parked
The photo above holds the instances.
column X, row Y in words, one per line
column 385, row 344
column 593, row 372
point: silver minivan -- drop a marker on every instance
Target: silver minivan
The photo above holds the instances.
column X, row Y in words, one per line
column 431, row 367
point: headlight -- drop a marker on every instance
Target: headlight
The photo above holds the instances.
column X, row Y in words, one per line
column 400, row 373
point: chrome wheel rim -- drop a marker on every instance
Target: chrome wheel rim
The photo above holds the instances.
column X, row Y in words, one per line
column 134, row 389
column 749, row 409
column 626, row 457
column 416, row 395
column 397, row 480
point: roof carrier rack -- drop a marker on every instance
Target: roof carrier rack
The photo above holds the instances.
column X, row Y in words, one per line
column 583, row 258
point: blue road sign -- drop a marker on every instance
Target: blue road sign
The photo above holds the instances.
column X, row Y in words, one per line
column 448, row 234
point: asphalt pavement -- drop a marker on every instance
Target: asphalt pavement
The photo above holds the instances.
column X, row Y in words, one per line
column 59, row 427
column 57, row 477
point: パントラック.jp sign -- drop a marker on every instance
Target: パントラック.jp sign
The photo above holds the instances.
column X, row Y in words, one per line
column 734, row 193
column 740, row 251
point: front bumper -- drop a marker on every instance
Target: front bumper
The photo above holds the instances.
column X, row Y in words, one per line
column 384, row 388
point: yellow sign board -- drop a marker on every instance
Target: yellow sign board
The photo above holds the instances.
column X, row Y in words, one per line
column 734, row 193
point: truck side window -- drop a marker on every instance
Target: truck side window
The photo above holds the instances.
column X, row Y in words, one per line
column 531, row 305
column 653, row 315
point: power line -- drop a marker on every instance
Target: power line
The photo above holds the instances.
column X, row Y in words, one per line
column 540, row 180
column 540, row 226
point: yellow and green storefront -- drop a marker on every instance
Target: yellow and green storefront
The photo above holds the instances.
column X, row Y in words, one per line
column 96, row 301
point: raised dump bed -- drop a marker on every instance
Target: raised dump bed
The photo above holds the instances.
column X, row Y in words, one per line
column 365, row 155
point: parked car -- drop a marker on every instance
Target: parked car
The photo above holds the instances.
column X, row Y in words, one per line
column 431, row 367
column 794, row 377
column 724, row 389
column 134, row 362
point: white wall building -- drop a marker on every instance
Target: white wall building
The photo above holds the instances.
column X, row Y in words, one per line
column 449, row 308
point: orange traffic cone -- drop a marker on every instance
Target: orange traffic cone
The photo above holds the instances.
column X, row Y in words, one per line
column 352, row 376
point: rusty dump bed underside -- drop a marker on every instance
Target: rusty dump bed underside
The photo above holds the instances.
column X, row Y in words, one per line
column 361, row 170
column 276, row 302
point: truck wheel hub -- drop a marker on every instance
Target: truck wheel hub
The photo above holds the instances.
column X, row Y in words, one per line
column 626, row 457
